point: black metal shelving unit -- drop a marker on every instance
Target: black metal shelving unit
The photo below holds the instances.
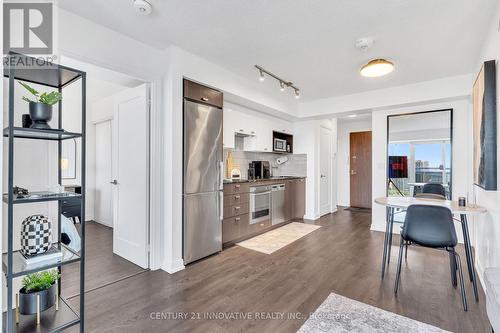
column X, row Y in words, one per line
column 54, row 76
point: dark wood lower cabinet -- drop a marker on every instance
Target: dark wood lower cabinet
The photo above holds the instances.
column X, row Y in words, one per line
column 234, row 228
column 236, row 224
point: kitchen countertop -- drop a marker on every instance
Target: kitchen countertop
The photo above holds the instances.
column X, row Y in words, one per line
column 236, row 181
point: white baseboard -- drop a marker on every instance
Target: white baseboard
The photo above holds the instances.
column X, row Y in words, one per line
column 480, row 272
column 311, row 217
column 173, row 266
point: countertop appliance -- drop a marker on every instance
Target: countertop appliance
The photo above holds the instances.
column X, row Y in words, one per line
column 260, row 203
column 280, row 145
column 278, row 203
column 260, row 169
column 203, row 172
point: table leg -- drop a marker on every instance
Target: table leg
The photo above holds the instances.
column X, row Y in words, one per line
column 391, row 225
column 469, row 254
column 386, row 236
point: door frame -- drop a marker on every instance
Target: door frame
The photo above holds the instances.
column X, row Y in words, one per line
column 111, row 125
column 156, row 148
column 330, row 171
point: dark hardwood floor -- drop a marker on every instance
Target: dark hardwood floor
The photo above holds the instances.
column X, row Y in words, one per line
column 343, row 257
column 102, row 265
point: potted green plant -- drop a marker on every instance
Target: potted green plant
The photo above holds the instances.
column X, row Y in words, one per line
column 41, row 107
column 41, row 284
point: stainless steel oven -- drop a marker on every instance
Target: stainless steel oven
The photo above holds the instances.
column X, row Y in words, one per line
column 260, row 203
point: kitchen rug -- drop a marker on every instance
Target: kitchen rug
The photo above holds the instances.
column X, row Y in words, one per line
column 339, row 314
column 275, row 239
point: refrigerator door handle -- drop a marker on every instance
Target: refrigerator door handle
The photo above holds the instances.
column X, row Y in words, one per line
column 221, row 175
column 221, row 205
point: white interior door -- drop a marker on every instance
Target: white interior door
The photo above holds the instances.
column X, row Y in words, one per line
column 325, row 170
column 131, row 176
column 103, row 196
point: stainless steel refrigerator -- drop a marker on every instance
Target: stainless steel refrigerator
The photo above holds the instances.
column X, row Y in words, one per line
column 203, row 181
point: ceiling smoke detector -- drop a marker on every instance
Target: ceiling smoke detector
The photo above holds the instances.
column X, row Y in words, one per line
column 364, row 43
column 143, row 7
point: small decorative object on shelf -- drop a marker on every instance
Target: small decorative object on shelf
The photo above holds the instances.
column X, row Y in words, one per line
column 20, row 191
column 39, row 292
column 36, row 235
column 461, row 201
column 41, row 109
column 26, row 121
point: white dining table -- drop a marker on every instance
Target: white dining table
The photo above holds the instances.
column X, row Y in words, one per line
column 393, row 203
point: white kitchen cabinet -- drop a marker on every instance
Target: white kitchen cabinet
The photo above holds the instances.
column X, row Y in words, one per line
column 228, row 128
column 257, row 127
column 264, row 137
column 282, row 126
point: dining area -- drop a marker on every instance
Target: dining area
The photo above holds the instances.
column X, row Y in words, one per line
column 421, row 206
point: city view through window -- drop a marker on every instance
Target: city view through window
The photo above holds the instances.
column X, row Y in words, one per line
column 428, row 162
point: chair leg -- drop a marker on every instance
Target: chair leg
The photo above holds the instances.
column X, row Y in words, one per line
column 398, row 271
column 406, row 252
column 453, row 268
column 460, row 274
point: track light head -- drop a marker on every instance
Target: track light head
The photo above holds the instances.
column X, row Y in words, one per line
column 261, row 75
column 282, row 86
column 297, row 93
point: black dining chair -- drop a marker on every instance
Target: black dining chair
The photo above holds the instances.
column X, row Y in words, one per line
column 434, row 189
column 432, row 227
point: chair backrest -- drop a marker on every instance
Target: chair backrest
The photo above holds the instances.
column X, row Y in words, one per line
column 434, row 188
column 430, row 196
column 430, row 226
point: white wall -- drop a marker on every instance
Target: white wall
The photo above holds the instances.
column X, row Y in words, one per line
column 487, row 227
column 345, row 127
column 306, row 141
column 412, row 94
column 462, row 156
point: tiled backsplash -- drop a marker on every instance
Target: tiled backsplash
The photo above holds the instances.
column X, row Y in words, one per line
column 295, row 166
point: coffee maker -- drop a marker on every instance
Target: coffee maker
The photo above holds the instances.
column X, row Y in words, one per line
column 259, row 170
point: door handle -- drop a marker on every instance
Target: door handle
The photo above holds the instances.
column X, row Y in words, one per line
column 221, row 205
column 353, row 172
column 323, row 176
column 114, row 182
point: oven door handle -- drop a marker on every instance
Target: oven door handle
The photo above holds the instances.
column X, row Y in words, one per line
column 259, row 193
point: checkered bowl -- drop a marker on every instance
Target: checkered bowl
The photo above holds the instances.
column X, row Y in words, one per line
column 36, row 235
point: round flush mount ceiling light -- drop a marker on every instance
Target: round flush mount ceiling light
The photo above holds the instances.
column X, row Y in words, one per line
column 143, row 7
column 377, row 68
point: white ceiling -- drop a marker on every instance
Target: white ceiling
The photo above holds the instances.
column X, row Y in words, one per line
column 311, row 42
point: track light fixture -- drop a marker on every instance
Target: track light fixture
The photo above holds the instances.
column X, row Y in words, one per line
column 283, row 83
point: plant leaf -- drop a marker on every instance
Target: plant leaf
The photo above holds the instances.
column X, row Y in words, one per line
column 30, row 89
column 27, row 99
column 51, row 98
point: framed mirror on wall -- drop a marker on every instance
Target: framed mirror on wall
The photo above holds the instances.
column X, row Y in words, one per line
column 68, row 159
column 419, row 147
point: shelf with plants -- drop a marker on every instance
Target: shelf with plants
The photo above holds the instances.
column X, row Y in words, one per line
column 41, row 134
column 14, row 262
column 20, row 268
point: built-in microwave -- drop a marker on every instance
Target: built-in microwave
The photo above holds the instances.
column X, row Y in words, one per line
column 279, row 145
